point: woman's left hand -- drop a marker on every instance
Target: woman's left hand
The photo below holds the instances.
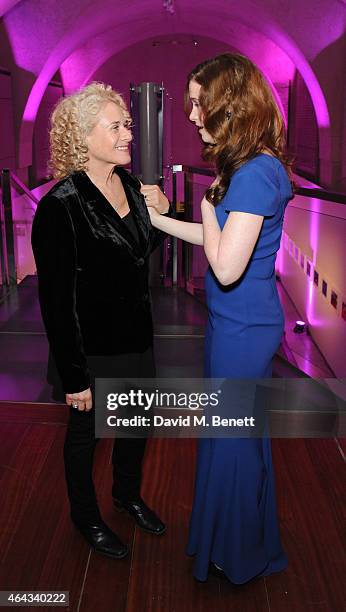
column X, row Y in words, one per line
column 155, row 198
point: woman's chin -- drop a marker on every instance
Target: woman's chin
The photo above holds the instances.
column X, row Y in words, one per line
column 207, row 139
column 122, row 160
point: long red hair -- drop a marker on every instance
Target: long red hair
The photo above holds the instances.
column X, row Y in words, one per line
column 241, row 115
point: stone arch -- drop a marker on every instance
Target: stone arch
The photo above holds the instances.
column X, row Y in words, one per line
column 87, row 28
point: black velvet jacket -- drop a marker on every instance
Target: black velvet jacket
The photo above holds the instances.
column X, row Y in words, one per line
column 92, row 274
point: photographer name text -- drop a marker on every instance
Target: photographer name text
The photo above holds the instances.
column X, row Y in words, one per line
column 186, row 421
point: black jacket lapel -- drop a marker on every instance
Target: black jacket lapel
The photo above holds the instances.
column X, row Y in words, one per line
column 137, row 205
column 105, row 221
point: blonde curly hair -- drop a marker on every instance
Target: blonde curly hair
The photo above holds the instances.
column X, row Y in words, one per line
column 71, row 121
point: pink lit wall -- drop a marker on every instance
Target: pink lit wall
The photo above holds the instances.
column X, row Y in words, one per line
column 41, row 133
column 314, row 239
column 6, row 5
column 44, row 34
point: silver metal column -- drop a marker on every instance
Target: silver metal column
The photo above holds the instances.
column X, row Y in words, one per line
column 149, row 145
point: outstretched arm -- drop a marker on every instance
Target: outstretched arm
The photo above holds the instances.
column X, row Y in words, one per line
column 190, row 232
column 158, row 205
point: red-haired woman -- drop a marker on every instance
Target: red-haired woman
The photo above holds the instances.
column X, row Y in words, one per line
column 234, row 525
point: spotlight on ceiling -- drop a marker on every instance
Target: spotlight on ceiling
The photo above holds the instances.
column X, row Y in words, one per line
column 300, row 327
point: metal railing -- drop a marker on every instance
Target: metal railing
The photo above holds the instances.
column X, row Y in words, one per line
column 7, row 242
column 183, row 267
column 311, row 192
column 178, row 256
column 321, row 194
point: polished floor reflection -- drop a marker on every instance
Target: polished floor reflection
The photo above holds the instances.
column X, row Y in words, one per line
column 179, row 338
column 40, row 549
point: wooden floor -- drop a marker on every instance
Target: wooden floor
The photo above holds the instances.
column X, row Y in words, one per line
column 40, row 550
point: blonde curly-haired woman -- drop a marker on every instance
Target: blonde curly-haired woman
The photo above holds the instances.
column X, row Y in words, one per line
column 91, row 239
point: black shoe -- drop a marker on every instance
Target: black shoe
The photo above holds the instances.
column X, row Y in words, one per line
column 102, row 539
column 217, row 571
column 145, row 518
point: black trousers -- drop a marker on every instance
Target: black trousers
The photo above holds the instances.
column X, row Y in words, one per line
column 80, row 442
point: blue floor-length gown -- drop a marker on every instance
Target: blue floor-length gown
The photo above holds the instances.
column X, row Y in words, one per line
column 234, row 518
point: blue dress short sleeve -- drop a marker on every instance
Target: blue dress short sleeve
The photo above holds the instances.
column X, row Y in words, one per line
column 253, row 189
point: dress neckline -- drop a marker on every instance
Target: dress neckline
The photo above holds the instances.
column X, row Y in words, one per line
column 268, row 155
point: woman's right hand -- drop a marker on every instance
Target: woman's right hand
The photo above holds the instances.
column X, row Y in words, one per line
column 82, row 399
column 155, row 198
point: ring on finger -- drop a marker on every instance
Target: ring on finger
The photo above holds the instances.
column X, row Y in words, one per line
column 75, row 405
